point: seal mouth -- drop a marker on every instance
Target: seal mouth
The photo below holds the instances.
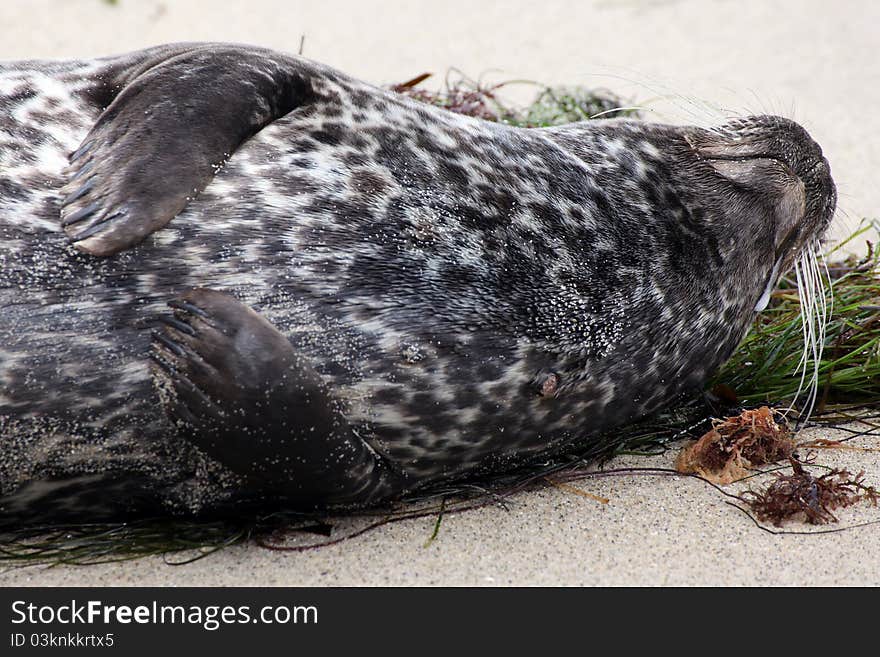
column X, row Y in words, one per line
column 784, row 256
column 787, row 248
column 764, row 299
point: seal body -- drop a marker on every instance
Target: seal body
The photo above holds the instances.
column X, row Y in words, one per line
column 367, row 294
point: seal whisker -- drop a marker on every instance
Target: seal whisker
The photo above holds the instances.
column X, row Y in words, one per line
column 822, row 317
column 630, row 108
column 801, row 367
column 698, row 112
column 811, row 310
column 815, row 315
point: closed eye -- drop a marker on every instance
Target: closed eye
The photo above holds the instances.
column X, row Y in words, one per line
column 754, row 156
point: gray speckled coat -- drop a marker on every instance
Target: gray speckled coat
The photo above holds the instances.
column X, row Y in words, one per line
column 466, row 294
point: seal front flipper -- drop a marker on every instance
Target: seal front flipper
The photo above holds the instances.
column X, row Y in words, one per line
column 241, row 393
column 177, row 117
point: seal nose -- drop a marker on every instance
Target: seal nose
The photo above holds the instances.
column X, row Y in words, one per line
column 823, row 185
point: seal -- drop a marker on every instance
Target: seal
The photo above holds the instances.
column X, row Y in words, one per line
column 256, row 276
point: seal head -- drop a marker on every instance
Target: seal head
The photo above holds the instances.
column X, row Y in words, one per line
column 774, row 160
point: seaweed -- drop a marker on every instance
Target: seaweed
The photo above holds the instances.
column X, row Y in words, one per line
column 765, row 366
column 801, row 494
column 551, row 106
column 736, row 445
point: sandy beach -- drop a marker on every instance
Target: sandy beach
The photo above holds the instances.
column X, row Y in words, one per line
column 654, row 530
column 816, row 62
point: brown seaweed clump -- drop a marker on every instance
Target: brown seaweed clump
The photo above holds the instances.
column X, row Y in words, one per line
column 735, row 445
column 813, row 498
column 460, row 97
column 552, row 106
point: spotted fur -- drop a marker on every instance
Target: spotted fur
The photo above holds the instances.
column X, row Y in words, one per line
column 472, row 294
